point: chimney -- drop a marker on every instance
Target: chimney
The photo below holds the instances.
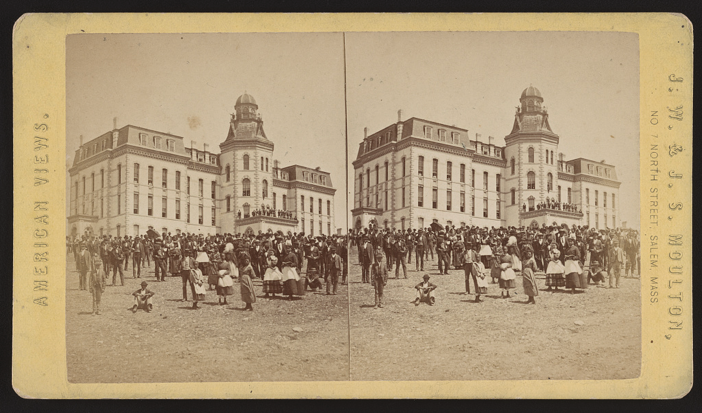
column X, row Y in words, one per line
column 205, row 147
column 490, row 139
column 114, row 123
column 193, row 151
column 81, row 140
column 365, row 133
column 477, row 137
column 399, row 115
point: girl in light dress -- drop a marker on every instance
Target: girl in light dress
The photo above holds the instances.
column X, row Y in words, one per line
column 272, row 279
column 555, row 270
column 507, row 275
column 225, row 284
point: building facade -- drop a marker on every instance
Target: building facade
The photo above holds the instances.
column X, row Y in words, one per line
column 132, row 179
column 416, row 172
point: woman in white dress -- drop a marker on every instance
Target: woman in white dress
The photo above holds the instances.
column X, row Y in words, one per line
column 290, row 275
column 555, row 270
column 272, row 279
column 507, row 275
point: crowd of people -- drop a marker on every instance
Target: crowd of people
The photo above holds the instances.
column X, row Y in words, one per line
column 571, row 257
column 213, row 262
column 268, row 212
column 558, row 206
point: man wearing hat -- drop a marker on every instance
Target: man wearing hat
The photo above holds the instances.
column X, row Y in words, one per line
column 85, row 264
column 441, row 253
column 368, row 258
column 97, row 283
column 616, row 258
column 400, row 251
column 596, row 274
column 421, row 245
column 117, row 257
column 142, row 298
column 333, row 272
column 425, row 292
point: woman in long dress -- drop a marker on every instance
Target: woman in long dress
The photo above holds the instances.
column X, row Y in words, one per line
column 555, row 270
column 495, row 270
column 248, row 295
column 197, row 280
column 507, row 275
column 225, row 284
column 572, row 269
column 290, row 275
column 528, row 278
column 272, row 279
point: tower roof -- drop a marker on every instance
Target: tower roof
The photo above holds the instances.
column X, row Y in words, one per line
column 531, row 91
column 246, row 99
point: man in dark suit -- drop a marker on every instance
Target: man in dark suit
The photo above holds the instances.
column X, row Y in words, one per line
column 368, row 258
column 117, row 257
column 562, row 244
column 254, row 252
column 137, row 253
column 85, row 264
column 539, row 247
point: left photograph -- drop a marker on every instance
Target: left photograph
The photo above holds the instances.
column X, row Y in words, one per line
column 206, row 235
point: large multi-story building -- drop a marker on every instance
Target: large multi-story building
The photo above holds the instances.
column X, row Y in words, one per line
column 132, row 178
column 416, row 172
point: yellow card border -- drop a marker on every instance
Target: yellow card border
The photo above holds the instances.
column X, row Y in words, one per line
column 39, row 351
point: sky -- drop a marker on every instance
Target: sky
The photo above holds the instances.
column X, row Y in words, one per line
column 589, row 82
column 187, row 85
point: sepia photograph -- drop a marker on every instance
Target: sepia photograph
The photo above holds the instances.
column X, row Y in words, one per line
column 205, row 192
column 495, row 217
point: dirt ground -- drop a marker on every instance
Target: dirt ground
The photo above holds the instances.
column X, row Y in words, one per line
column 457, row 339
column 595, row 334
column 174, row 343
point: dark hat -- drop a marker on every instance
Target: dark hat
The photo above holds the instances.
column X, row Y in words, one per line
column 426, row 276
column 144, row 284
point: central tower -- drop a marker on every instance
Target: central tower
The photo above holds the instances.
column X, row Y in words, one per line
column 247, row 165
column 532, row 162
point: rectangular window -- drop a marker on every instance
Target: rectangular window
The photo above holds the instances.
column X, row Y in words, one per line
column 404, row 166
column 435, row 198
column 171, row 145
column 200, row 218
column 164, row 207
column 164, row 178
column 119, row 176
column 497, row 182
column 448, row 200
column 303, row 224
column 597, row 221
column 569, row 196
column 442, row 135
column 604, row 201
column 285, row 202
column 497, row 209
column 302, row 203
column 188, row 186
column 463, row 173
column 387, row 171
column 328, row 207
column 597, row 198
column 229, row 204
column 177, row 183
column 187, row 212
column 472, row 178
column 329, row 228
column 119, row 205
column 485, row 181
column 136, row 173
column 319, row 209
column 613, row 206
column 320, row 227
column 214, row 214
column 214, row 189
column 151, row 175
column 136, row 229
column 102, row 179
column 136, row 202
column 151, row 205
column 311, row 205
column 420, row 196
column 514, row 196
column 427, row 132
column 449, row 167
column 312, row 227
column 485, row 208
column 386, row 199
column 559, row 193
column 102, row 208
column 472, row 205
column 420, row 166
column 177, row 208
column 403, row 197
column 435, row 168
column 462, row 200
column 200, row 184
column 587, row 196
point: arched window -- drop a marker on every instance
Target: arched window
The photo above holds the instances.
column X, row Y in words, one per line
column 531, row 180
column 549, row 184
column 262, row 163
column 531, row 155
column 246, row 187
column 246, row 162
column 247, row 210
column 531, row 203
column 266, row 164
column 227, row 172
column 265, row 189
column 511, row 165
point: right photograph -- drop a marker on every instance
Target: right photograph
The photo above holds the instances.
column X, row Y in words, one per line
column 494, row 191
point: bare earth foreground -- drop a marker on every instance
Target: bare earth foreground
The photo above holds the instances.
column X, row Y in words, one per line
column 174, row 343
column 458, row 339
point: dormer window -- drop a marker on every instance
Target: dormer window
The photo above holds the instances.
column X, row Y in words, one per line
column 427, row 132
column 157, row 142
column 442, row 135
column 486, row 150
column 171, row 145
